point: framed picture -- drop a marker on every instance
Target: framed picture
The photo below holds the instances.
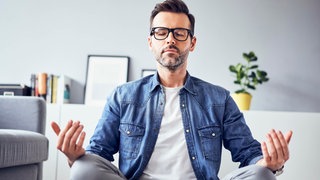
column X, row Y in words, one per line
column 146, row 72
column 104, row 74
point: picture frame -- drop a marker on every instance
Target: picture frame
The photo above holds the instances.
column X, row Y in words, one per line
column 104, row 74
column 146, row 72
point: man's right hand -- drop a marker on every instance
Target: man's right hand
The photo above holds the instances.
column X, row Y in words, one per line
column 70, row 140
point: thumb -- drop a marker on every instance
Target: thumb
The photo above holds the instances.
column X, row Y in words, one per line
column 288, row 136
column 55, row 128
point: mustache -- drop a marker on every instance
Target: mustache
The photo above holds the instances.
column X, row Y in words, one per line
column 171, row 47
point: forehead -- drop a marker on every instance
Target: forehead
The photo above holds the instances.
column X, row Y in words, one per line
column 171, row 20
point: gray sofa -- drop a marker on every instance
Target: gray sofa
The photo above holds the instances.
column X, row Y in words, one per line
column 23, row 146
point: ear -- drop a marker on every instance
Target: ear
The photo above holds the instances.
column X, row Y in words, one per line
column 150, row 42
column 193, row 43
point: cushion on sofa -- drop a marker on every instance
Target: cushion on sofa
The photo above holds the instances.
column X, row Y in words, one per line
column 19, row 147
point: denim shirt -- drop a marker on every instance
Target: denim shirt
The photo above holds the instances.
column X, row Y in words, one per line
column 132, row 116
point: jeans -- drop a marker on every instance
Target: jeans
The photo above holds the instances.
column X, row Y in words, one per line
column 94, row 167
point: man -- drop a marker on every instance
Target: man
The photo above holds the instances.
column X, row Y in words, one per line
column 170, row 125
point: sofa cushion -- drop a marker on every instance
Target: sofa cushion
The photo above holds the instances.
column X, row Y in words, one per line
column 19, row 147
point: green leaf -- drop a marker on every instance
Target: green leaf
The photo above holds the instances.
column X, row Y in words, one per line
column 240, row 91
column 254, row 67
column 251, row 87
column 252, row 56
column 253, row 59
column 261, row 73
column 255, row 81
column 252, row 75
column 237, row 82
column 239, row 67
column 232, row 68
column 246, row 57
column 240, row 75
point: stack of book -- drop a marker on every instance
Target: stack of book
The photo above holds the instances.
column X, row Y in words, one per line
column 53, row 88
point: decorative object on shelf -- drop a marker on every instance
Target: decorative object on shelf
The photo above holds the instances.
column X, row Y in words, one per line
column 104, row 74
column 14, row 90
column 63, row 89
column 146, row 72
column 248, row 76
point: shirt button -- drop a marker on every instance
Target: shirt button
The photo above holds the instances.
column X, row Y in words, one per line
column 187, row 130
column 193, row 158
column 213, row 134
column 182, row 105
column 128, row 132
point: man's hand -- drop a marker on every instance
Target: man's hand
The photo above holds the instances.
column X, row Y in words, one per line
column 275, row 150
column 70, row 140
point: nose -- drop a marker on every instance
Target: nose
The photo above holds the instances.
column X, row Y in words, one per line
column 170, row 39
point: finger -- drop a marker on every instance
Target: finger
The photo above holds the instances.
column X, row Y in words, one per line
column 68, row 136
column 66, row 129
column 265, row 152
column 81, row 139
column 288, row 136
column 271, row 147
column 284, row 145
column 62, row 135
column 287, row 139
column 75, row 137
column 278, row 146
column 55, row 128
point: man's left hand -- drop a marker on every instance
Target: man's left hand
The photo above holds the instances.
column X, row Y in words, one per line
column 275, row 150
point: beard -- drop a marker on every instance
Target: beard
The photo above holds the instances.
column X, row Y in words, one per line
column 171, row 62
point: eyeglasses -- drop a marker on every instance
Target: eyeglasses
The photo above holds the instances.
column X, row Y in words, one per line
column 161, row 33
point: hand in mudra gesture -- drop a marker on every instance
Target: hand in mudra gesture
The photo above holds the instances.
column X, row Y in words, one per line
column 275, row 149
column 70, row 140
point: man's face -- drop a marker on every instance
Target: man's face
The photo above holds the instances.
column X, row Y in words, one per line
column 169, row 52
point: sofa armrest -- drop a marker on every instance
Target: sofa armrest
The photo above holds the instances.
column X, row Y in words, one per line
column 23, row 112
column 19, row 147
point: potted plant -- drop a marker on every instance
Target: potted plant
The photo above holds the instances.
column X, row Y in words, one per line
column 248, row 76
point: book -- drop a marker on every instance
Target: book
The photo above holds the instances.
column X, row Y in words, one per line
column 42, row 85
column 49, row 88
column 33, row 80
column 53, row 88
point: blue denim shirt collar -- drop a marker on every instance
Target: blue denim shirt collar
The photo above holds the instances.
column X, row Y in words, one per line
column 155, row 82
column 188, row 85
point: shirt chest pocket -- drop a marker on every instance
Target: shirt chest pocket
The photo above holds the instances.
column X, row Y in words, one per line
column 210, row 139
column 130, row 140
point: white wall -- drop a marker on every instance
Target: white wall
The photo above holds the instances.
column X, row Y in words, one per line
column 57, row 36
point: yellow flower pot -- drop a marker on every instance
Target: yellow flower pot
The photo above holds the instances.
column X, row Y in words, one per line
column 242, row 100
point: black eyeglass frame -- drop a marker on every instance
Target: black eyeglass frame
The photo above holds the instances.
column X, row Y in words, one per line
column 152, row 33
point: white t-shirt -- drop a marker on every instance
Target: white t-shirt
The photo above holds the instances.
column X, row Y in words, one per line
column 170, row 158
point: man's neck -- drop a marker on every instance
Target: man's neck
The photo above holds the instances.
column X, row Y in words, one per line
column 172, row 78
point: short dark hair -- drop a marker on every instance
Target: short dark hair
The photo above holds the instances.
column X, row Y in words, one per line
column 176, row 6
